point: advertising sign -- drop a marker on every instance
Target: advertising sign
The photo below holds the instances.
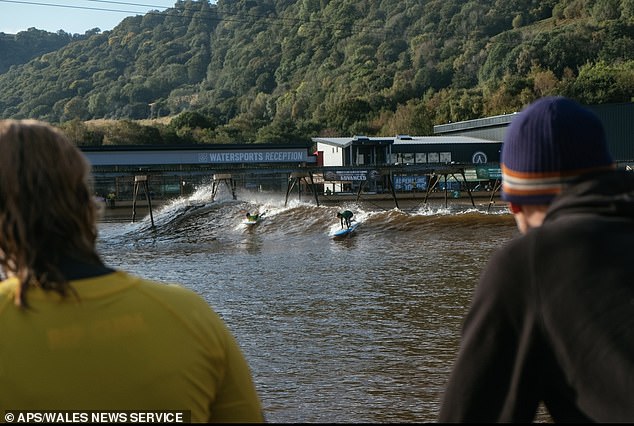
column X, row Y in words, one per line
column 351, row 175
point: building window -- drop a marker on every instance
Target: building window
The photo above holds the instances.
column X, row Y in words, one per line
column 445, row 157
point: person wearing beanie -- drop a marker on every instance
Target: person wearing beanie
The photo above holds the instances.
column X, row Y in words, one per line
column 551, row 321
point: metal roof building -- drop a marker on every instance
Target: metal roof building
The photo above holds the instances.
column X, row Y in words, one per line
column 490, row 128
column 617, row 119
column 203, row 156
column 173, row 170
column 404, row 149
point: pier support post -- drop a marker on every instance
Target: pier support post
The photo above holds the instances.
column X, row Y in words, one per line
column 390, row 182
column 496, row 187
column 295, row 179
column 228, row 180
column 141, row 180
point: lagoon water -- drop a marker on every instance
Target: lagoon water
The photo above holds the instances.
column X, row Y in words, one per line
column 359, row 330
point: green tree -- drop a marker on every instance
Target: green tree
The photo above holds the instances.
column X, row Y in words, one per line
column 602, row 82
column 75, row 108
column 192, row 120
column 604, row 10
column 346, row 113
column 281, row 131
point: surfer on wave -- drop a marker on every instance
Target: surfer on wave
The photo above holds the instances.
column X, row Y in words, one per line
column 345, row 216
column 253, row 217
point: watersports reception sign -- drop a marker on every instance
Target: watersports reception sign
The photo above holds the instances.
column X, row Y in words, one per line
column 127, row 157
column 253, row 157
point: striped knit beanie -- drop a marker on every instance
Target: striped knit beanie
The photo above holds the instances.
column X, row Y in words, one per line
column 550, row 143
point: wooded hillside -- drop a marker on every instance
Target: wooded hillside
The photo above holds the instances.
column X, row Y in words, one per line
column 279, row 70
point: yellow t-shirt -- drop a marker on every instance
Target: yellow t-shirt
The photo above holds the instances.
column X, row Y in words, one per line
column 125, row 344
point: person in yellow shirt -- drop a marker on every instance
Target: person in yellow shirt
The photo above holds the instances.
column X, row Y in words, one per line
column 76, row 334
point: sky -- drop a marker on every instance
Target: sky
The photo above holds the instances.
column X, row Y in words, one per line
column 72, row 16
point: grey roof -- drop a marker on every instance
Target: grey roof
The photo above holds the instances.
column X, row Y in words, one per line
column 340, row 142
column 497, row 120
column 404, row 140
column 345, row 142
column 428, row 140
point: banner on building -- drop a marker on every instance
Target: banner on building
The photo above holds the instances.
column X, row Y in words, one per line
column 351, row 175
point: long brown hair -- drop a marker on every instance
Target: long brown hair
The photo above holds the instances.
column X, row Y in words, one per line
column 47, row 211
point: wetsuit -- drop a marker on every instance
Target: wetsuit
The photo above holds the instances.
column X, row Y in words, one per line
column 345, row 215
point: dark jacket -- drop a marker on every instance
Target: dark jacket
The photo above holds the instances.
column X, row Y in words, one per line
column 552, row 318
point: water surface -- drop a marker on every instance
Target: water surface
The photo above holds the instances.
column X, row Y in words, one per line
column 360, row 330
